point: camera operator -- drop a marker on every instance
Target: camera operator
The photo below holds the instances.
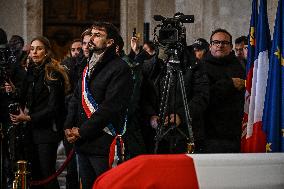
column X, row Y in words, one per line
column 146, row 66
column 8, row 104
column 196, row 88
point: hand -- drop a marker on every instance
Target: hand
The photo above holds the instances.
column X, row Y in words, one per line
column 135, row 44
column 67, row 133
column 75, row 132
column 239, row 83
column 22, row 117
column 154, row 120
column 72, row 135
column 173, row 118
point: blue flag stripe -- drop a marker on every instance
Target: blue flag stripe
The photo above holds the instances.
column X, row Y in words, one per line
column 252, row 36
column 273, row 118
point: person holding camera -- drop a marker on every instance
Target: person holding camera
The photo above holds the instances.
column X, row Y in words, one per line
column 43, row 109
column 197, row 94
column 8, row 104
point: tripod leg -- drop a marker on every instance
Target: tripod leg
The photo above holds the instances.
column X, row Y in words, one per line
column 187, row 116
column 163, row 107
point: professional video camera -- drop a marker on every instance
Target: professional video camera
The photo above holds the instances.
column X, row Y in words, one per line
column 172, row 38
column 172, row 33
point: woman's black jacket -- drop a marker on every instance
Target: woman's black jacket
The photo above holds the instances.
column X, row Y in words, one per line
column 45, row 101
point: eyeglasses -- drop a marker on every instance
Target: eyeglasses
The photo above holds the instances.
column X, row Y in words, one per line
column 216, row 42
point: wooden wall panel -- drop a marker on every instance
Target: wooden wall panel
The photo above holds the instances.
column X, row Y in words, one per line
column 65, row 20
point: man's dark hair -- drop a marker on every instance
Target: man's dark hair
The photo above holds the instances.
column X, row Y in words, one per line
column 75, row 41
column 220, row 30
column 150, row 44
column 86, row 32
column 16, row 39
column 241, row 39
column 3, row 37
column 111, row 31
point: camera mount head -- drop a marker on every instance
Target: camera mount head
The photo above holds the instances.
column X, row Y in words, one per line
column 172, row 33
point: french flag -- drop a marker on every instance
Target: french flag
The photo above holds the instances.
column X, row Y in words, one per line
column 253, row 136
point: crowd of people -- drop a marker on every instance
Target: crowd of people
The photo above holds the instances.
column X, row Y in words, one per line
column 106, row 104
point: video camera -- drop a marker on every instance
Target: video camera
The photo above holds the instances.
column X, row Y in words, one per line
column 4, row 65
column 7, row 58
column 172, row 31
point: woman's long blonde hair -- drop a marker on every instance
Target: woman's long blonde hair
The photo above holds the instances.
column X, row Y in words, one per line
column 52, row 65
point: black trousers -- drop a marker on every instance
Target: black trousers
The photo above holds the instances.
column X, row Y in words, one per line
column 90, row 167
column 43, row 164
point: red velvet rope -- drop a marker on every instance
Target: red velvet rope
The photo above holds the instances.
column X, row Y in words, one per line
column 58, row 172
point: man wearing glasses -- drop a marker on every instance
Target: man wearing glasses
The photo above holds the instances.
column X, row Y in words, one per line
column 226, row 77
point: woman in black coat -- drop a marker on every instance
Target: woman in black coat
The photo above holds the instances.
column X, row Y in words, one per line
column 43, row 108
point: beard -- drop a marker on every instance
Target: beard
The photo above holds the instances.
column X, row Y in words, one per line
column 99, row 49
column 95, row 49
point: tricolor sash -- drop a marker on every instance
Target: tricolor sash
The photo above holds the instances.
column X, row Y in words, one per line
column 89, row 105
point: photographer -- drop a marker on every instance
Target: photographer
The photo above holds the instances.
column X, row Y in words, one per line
column 8, row 98
column 142, row 54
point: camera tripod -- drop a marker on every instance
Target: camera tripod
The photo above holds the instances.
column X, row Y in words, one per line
column 173, row 78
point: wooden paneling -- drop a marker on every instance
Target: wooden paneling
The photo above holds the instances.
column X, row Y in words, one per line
column 65, row 20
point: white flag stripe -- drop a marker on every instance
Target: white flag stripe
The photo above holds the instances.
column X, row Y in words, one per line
column 259, row 82
column 262, row 72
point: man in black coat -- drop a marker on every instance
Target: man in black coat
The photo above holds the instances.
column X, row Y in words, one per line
column 98, row 107
column 75, row 66
column 224, row 114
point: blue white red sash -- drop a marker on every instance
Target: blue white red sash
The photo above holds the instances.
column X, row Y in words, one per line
column 89, row 104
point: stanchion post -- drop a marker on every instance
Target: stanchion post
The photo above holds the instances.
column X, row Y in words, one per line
column 20, row 181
